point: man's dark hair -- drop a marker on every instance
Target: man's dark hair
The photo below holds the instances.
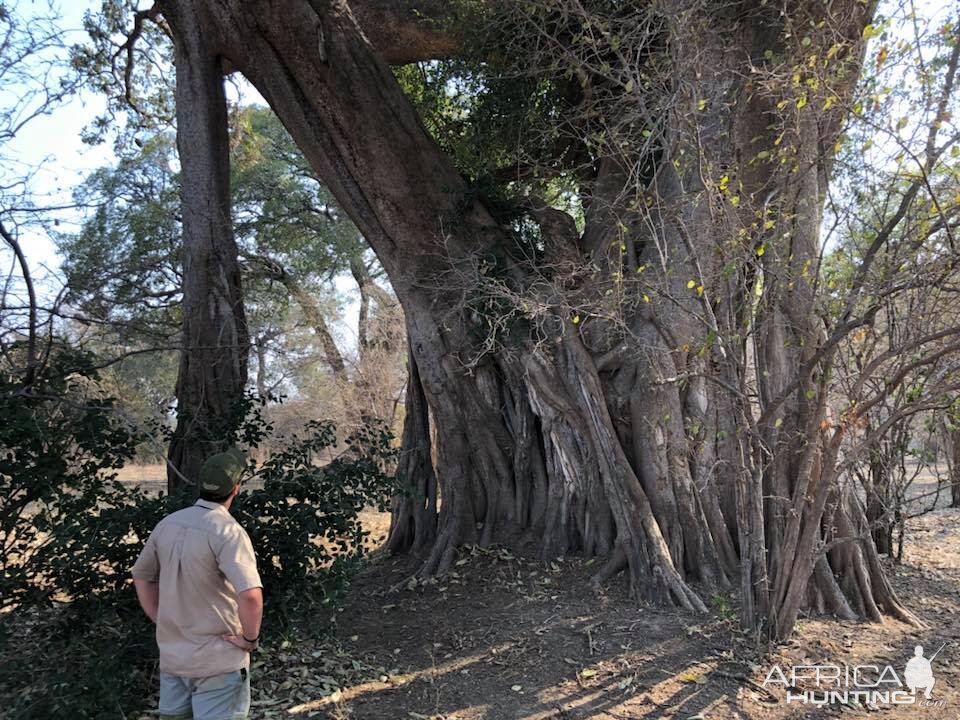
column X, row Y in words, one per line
column 210, row 497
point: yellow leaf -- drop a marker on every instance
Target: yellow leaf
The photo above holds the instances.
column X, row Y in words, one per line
column 576, row 319
column 801, row 101
column 760, row 251
column 769, row 224
column 646, row 298
column 588, row 673
column 701, row 105
column 699, row 289
column 691, row 284
column 735, row 200
column 828, row 103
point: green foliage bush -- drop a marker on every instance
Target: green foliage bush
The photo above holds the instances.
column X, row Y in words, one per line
column 73, row 642
column 59, row 443
column 305, row 519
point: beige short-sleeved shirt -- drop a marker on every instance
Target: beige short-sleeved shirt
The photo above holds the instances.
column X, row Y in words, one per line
column 201, row 558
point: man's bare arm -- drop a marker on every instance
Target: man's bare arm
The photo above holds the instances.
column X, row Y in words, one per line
column 250, row 604
column 250, row 609
column 148, row 593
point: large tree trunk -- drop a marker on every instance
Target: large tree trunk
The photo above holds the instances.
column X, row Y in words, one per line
column 634, row 439
column 213, row 361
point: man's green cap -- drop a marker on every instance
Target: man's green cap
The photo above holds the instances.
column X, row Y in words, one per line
column 221, row 473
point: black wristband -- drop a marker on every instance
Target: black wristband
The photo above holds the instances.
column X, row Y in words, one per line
column 249, row 640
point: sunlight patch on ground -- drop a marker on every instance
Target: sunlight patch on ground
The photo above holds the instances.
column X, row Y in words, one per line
column 427, row 674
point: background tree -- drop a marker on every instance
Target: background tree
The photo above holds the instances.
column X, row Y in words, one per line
column 124, row 279
column 34, row 81
column 893, row 203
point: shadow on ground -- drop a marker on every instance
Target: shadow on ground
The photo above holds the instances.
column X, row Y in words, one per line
column 508, row 638
column 505, row 638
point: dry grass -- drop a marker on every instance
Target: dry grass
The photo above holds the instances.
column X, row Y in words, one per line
column 153, row 479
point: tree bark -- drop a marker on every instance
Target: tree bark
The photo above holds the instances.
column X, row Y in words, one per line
column 213, row 363
column 953, row 449
column 413, row 525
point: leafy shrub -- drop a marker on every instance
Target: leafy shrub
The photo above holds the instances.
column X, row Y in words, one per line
column 304, row 521
column 74, row 642
column 63, row 648
column 59, row 445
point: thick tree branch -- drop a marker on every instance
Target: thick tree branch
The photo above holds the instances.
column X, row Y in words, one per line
column 127, row 49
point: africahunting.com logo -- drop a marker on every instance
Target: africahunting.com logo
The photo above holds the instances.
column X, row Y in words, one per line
column 868, row 685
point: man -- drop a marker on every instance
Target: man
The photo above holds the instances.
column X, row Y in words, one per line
column 197, row 580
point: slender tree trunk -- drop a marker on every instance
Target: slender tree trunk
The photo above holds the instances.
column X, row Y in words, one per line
column 953, row 450
column 368, row 289
column 30, row 362
column 314, row 317
column 213, row 362
column 878, row 510
column 261, row 349
column 312, row 312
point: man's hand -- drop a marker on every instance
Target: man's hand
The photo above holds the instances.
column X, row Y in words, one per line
column 240, row 642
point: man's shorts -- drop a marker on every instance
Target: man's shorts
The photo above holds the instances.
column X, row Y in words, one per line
column 221, row 697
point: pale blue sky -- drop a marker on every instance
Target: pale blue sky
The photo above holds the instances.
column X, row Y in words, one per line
column 52, row 144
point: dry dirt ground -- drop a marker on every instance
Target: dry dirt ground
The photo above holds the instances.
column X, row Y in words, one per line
column 506, row 638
